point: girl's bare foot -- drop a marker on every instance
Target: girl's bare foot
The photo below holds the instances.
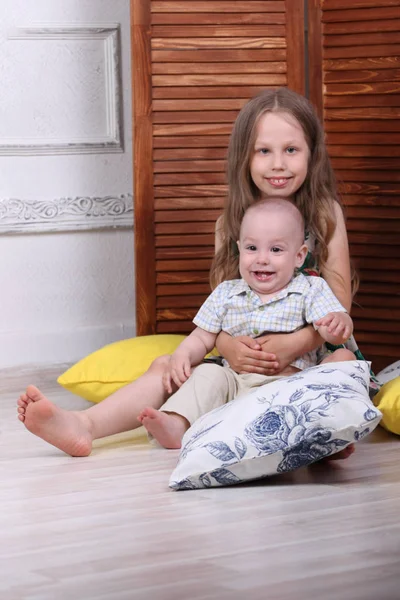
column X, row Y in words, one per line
column 67, row 430
column 345, row 453
column 167, row 428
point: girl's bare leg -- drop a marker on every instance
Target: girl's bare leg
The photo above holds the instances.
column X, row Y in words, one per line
column 340, row 355
column 73, row 431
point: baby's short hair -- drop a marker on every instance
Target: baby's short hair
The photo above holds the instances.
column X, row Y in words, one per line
column 286, row 207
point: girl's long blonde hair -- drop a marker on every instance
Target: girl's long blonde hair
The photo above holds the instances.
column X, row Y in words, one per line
column 315, row 198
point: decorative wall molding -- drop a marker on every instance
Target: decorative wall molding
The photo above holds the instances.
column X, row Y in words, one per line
column 66, row 214
column 112, row 141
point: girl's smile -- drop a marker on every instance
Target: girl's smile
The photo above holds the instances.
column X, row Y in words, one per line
column 278, row 183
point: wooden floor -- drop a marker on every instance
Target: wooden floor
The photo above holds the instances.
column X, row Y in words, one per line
column 108, row 527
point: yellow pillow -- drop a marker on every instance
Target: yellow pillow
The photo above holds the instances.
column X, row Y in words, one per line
column 387, row 400
column 105, row 371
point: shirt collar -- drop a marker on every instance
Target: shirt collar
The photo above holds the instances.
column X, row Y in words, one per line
column 239, row 287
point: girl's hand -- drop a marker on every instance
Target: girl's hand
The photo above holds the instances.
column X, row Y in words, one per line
column 289, row 346
column 283, row 347
column 245, row 355
column 178, row 371
column 338, row 326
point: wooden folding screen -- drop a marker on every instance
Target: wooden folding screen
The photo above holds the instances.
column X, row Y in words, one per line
column 195, row 63
column 355, row 81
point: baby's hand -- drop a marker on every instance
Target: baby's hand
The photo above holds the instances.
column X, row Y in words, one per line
column 338, row 325
column 178, row 370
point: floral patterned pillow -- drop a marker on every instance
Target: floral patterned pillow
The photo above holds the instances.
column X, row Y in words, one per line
column 278, row 427
column 389, row 373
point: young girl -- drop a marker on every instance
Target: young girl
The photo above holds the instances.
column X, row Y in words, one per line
column 277, row 146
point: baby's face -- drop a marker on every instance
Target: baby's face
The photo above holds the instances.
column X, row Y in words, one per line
column 270, row 251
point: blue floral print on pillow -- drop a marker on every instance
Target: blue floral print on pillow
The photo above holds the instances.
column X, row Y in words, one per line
column 278, row 427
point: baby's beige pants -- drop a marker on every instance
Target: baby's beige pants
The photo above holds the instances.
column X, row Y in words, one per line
column 210, row 386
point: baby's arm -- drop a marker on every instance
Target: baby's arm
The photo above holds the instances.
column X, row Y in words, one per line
column 189, row 353
column 335, row 327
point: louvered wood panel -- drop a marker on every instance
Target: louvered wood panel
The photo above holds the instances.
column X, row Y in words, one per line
column 356, row 49
column 195, row 64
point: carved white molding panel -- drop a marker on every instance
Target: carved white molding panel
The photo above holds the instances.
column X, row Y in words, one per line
column 110, row 140
column 66, row 214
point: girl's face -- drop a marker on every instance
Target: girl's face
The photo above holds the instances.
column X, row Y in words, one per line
column 279, row 161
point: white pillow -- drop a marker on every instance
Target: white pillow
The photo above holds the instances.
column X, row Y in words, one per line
column 278, row 427
column 389, row 373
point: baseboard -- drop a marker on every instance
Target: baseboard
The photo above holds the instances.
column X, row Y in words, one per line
column 31, row 350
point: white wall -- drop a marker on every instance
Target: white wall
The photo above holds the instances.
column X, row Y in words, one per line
column 66, row 242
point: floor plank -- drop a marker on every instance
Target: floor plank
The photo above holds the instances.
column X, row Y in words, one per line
column 108, row 527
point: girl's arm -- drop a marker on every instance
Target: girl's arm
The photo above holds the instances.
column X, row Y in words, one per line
column 268, row 354
column 245, row 354
column 336, row 272
column 289, row 346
